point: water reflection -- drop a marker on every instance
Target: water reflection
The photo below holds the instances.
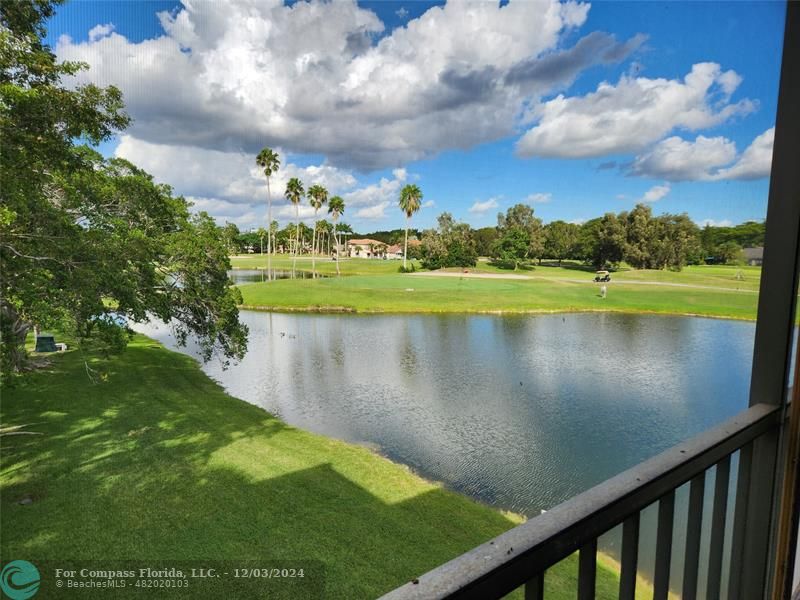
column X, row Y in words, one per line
column 241, row 276
column 521, row 412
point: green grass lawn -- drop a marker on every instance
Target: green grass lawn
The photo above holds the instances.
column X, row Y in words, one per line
column 156, row 462
column 347, row 266
column 421, row 293
column 723, row 276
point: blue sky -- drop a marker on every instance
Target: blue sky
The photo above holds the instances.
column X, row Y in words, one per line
column 578, row 109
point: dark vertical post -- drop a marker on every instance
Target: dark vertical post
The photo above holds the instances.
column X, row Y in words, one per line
column 694, row 525
column 718, row 511
column 587, row 570
column 534, row 589
column 776, row 310
column 630, row 558
column 739, row 516
column 666, row 512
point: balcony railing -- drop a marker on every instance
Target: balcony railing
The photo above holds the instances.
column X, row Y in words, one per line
column 760, row 562
column 521, row 556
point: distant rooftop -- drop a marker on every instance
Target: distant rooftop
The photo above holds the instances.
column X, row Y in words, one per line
column 365, row 242
column 753, row 253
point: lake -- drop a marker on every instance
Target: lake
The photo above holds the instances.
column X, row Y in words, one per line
column 520, row 412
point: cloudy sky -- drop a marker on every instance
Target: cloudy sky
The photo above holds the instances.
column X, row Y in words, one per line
column 576, row 108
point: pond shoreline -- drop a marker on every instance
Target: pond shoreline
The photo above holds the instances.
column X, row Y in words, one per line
column 496, row 312
column 261, row 454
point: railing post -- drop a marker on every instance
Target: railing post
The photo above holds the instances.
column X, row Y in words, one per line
column 775, row 324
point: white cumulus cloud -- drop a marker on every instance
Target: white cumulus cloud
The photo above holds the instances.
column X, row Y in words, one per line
column 100, row 31
column 675, row 159
column 478, row 208
column 755, row 162
column 229, row 175
column 631, row 115
column 324, row 78
column 373, row 212
column 539, row 198
column 655, row 193
column 706, row 159
column 231, row 187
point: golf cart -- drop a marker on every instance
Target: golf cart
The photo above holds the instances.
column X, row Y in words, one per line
column 602, row 277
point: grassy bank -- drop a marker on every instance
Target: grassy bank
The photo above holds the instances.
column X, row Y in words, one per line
column 324, row 265
column 157, row 462
column 718, row 276
column 421, row 293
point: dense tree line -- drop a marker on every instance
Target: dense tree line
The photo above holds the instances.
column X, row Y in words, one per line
column 637, row 237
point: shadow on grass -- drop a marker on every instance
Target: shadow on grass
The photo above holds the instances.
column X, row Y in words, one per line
column 509, row 266
column 129, row 470
column 571, row 266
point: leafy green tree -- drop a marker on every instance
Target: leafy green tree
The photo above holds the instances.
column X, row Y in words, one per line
column 676, row 242
column 729, row 253
column 294, row 194
column 323, row 232
column 560, row 239
column 512, row 246
column 410, row 203
column 85, row 242
column 262, row 233
column 608, row 246
column 520, row 236
column 707, row 241
column 745, row 235
column 664, row 242
column 317, row 196
column 336, row 210
column 269, row 161
column 484, row 240
column 640, row 236
column 230, row 234
column 452, row 245
column 274, row 228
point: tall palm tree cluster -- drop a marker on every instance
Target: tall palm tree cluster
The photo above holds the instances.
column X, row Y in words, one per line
column 317, row 195
column 268, row 160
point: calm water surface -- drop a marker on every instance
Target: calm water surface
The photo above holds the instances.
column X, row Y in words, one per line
column 519, row 412
column 240, row 276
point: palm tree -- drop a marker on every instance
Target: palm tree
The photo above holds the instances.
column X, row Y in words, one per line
column 336, row 210
column 268, row 160
column 410, row 200
column 294, row 193
column 324, row 231
column 317, row 196
column 261, row 233
column 274, row 227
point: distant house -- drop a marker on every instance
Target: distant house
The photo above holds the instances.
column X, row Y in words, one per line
column 753, row 256
column 366, row 248
column 394, row 251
